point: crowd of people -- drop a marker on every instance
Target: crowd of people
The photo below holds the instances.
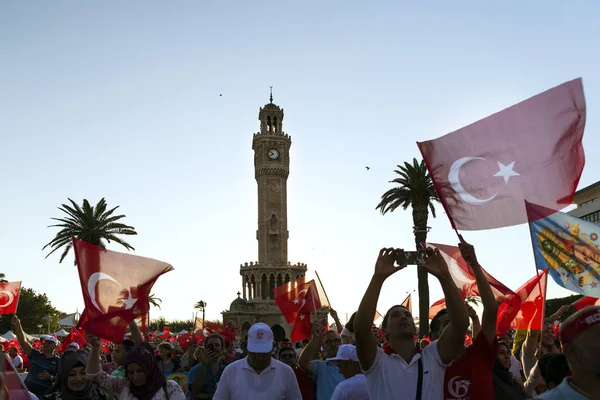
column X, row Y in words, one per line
column 357, row 361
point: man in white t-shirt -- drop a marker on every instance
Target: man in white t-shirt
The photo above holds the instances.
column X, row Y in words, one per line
column 400, row 371
column 15, row 358
column 259, row 375
column 354, row 387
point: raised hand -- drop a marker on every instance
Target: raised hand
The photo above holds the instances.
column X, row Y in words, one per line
column 333, row 313
column 467, row 251
column 93, row 341
column 384, row 267
column 435, row 263
column 317, row 331
column 471, row 311
column 15, row 321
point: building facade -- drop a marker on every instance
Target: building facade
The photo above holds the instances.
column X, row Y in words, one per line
column 588, row 203
column 255, row 302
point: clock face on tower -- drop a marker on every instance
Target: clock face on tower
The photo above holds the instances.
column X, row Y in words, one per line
column 273, row 154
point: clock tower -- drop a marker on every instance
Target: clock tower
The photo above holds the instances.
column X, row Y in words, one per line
column 271, row 169
column 256, row 302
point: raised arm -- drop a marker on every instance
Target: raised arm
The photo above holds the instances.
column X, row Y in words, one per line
column 18, row 330
column 558, row 314
column 490, row 306
column 453, row 337
column 336, row 319
column 136, row 334
column 311, row 349
column 366, row 344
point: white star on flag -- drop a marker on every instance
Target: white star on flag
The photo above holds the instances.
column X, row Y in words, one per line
column 506, row 171
column 301, row 316
column 296, row 301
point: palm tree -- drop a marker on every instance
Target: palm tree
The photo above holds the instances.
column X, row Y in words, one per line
column 91, row 224
column 155, row 301
column 201, row 305
column 414, row 189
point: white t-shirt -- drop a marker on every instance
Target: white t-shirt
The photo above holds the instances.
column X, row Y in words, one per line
column 354, row 388
column 240, row 381
column 17, row 361
column 390, row 377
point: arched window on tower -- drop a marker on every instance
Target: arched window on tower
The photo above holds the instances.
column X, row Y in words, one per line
column 253, row 287
column 269, row 123
column 274, row 124
column 287, row 278
column 271, row 286
column 264, row 287
column 279, row 280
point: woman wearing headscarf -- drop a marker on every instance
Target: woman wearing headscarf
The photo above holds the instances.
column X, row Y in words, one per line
column 143, row 379
column 505, row 386
column 71, row 381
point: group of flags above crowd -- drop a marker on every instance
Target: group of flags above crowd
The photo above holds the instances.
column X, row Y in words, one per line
column 487, row 176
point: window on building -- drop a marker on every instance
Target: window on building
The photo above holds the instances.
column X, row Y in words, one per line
column 588, row 201
column 593, row 217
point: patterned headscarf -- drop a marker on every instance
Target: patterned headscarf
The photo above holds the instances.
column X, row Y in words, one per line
column 70, row 360
column 143, row 354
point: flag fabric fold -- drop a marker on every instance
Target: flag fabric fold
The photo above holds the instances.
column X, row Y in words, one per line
column 463, row 277
column 115, row 287
column 9, row 297
column 532, row 150
column 568, row 246
column 586, row 302
column 408, row 302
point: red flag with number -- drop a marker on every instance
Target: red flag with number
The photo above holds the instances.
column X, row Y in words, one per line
column 294, row 296
column 115, row 287
column 531, row 151
column 9, row 297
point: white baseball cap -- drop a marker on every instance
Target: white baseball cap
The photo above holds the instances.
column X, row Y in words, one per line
column 74, row 344
column 346, row 352
column 51, row 339
column 260, row 338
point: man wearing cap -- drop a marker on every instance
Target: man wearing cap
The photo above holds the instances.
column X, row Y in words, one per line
column 355, row 385
column 43, row 365
column 259, row 375
column 579, row 336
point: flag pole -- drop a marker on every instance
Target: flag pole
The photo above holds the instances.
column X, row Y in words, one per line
column 323, row 287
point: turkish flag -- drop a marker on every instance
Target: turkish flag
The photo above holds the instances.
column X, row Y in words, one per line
column 531, row 151
column 11, row 384
column 463, row 277
column 586, row 302
column 9, row 297
column 115, row 288
column 302, row 327
column 75, row 336
column 296, row 295
column 525, row 310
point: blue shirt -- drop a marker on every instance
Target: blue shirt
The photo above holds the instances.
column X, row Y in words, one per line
column 38, row 363
column 327, row 376
column 564, row 391
column 210, row 379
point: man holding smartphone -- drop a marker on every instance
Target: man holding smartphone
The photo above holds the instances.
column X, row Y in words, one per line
column 402, row 371
column 203, row 378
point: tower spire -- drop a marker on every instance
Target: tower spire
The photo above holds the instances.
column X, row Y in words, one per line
column 271, row 96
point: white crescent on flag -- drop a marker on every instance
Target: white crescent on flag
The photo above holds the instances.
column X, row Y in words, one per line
column 10, row 295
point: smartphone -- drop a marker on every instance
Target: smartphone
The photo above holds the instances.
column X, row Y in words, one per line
column 410, row 258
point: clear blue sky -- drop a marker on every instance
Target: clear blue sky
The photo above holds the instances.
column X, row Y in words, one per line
column 121, row 100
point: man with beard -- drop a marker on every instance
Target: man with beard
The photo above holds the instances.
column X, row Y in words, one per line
column 400, row 371
column 579, row 336
column 259, row 375
column 203, row 378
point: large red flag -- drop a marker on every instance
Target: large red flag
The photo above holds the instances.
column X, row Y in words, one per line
column 302, row 325
column 531, row 151
column 525, row 310
column 12, row 385
column 586, row 302
column 463, row 277
column 9, row 297
column 75, row 336
column 293, row 296
column 115, row 287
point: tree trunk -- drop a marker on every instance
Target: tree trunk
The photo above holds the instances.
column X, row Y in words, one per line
column 420, row 216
